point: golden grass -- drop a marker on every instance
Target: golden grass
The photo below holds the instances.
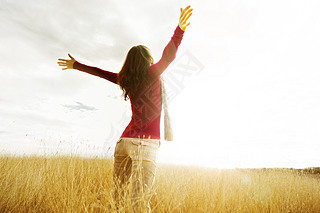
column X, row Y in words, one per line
column 75, row 184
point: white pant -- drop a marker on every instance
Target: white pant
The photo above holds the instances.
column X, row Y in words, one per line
column 135, row 160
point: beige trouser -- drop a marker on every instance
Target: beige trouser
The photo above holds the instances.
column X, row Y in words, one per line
column 135, row 163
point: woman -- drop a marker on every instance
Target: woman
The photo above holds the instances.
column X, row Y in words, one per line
column 136, row 152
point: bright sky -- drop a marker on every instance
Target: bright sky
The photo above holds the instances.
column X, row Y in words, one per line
column 245, row 84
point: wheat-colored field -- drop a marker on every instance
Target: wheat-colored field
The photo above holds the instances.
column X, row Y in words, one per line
column 75, row 184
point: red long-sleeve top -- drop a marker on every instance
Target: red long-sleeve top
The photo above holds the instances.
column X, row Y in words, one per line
column 146, row 107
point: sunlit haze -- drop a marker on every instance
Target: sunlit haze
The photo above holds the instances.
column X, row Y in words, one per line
column 244, row 88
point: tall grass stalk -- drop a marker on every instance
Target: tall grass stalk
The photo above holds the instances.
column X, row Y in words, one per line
column 75, row 184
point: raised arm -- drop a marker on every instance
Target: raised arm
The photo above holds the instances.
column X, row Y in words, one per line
column 169, row 52
column 73, row 64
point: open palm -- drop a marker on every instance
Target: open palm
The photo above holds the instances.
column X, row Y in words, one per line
column 184, row 16
column 66, row 63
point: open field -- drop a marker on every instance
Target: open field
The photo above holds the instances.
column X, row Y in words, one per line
column 74, row 184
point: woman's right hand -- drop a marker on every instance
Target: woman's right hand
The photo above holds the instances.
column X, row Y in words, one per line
column 184, row 16
column 66, row 63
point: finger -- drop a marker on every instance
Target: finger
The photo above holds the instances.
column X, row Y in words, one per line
column 182, row 12
column 70, row 56
column 182, row 16
column 188, row 11
column 63, row 60
column 186, row 8
column 65, row 68
column 185, row 14
column 186, row 18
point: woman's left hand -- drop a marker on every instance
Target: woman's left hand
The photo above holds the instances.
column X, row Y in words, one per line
column 184, row 16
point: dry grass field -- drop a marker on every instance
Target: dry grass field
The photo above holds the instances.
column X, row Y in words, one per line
column 75, row 184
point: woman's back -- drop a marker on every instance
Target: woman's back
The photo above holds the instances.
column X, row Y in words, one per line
column 146, row 112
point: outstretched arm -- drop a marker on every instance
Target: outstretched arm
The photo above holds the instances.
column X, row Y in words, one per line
column 73, row 64
column 169, row 52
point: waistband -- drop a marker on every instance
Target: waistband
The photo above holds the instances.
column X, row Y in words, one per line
column 141, row 140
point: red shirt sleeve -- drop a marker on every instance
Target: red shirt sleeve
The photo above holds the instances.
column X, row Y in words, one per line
column 110, row 76
column 168, row 55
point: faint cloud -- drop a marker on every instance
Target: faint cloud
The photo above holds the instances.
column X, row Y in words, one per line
column 79, row 106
